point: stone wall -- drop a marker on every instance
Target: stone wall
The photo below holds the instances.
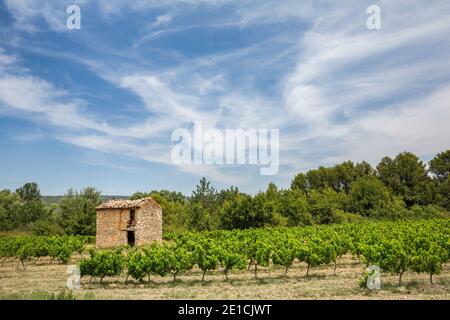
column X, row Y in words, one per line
column 111, row 228
column 148, row 224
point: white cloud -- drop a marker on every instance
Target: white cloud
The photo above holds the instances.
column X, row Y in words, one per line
column 160, row 98
column 162, row 20
column 27, row 13
column 419, row 126
column 344, row 93
column 347, row 77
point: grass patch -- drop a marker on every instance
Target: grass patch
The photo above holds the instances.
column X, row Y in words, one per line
column 63, row 295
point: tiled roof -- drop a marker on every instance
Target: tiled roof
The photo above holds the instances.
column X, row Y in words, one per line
column 125, row 204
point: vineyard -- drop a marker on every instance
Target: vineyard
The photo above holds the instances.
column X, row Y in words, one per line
column 58, row 249
column 398, row 248
column 419, row 246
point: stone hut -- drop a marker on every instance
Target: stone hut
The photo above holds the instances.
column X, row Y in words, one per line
column 121, row 222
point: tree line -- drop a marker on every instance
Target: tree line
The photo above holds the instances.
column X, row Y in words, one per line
column 403, row 187
column 397, row 188
column 25, row 210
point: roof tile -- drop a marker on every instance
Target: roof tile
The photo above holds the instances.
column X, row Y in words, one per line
column 125, row 204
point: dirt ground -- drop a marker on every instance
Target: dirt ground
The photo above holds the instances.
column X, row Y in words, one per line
column 46, row 277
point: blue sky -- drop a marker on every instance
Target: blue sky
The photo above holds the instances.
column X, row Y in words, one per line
column 97, row 106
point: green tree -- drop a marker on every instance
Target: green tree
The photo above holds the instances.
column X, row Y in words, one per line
column 206, row 196
column 139, row 195
column 199, row 218
column 325, row 203
column 294, row 206
column 33, row 207
column 77, row 211
column 175, row 210
column 346, row 175
column 368, row 195
column 440, row 166
column 227, row 194
column 46, row 227
column 440, row 169
column 407, row 177
column 237, row 213
column 322, row 178
column 268, row 206
column 10, row 209
column 442, row 196
column 29, row 192
column 245, row 212
column 300, row 182
column 364, row 169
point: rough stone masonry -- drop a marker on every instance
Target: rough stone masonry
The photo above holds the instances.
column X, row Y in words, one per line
column 134, row 222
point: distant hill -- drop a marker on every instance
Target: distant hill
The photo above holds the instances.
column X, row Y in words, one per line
column 56, row 199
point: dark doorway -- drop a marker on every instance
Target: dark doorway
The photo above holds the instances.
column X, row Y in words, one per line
column 130, row 238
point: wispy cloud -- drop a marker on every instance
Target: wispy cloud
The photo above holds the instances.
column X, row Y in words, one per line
column 162, row 20
column 335, row 89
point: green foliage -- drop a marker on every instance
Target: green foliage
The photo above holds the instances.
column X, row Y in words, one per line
column 77, row 211
column 204, row 194
column 440, row 165
column 324, row 203
column 237, row 213
column 206, row 255
column 10, row 209
column 204, row 205
column 316, row 252
column 440, row 169
column 137, row 264
column 442, row 195
column 102, row 264
column 244, row 212
column 394, row 256
column 300, row 183
column 406, row 176
column 29, row 192
column 46, row 227
column 396, row 247
column 181, row 260
column 429, row 259
column 258, row 250
column 160, row 259
column 294, row 206
column 33, row 208
column 229, row 257
column 400, row 188
column 284, row 252
column 199, row 218
column 59, row 248
column 368, row 196
column 428, row 212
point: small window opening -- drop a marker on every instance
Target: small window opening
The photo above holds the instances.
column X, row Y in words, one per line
column 132, row 217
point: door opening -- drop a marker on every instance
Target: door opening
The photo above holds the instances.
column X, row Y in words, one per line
column 130, row 238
